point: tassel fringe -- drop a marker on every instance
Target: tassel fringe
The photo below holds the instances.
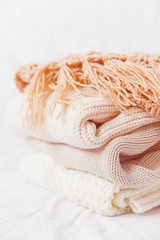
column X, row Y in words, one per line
column 128, row 80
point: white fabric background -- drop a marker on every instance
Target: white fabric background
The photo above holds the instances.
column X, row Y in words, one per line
column 41, row 31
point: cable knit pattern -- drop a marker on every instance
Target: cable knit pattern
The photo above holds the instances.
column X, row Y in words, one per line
column 86, row 189
column 101, row 140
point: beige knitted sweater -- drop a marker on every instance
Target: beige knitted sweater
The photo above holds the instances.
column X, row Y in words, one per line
column 122, row 148
column 100, row 114
column 88, row 190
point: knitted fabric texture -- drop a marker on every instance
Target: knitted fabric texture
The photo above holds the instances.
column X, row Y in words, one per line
column 93, row 136
column 128, row 80
column 86, row 189
column 99, row 114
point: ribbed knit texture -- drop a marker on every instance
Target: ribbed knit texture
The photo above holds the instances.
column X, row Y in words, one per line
column 93, row 136
column 86, row 189
column 98, row 115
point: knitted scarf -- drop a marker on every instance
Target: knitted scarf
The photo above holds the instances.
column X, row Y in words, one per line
column 127, row 79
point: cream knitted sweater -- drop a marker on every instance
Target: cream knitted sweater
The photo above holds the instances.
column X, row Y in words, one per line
column 98, row 194
column 124, row 149
column 99, row 116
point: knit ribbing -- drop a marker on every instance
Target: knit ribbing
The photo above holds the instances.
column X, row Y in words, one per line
column 100, row 139
column 100, row 195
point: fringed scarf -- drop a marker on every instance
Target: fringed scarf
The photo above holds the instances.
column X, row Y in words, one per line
column 127, row 79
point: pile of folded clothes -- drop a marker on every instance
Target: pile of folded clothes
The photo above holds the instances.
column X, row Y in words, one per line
column 93, row 122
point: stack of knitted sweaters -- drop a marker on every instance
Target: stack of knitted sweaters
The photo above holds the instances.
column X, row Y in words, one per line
column 93, row 122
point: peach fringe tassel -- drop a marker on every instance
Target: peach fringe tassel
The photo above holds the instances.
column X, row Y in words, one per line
column 127, row 79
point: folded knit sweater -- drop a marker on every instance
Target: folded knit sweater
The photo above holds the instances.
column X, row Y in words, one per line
column 122, row 148
column 97, row 113
column 88, row 190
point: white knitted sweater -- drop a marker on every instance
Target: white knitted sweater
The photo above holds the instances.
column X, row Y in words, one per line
column 98, row 194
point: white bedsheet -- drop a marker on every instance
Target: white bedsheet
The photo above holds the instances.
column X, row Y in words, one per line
column 42, row 31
